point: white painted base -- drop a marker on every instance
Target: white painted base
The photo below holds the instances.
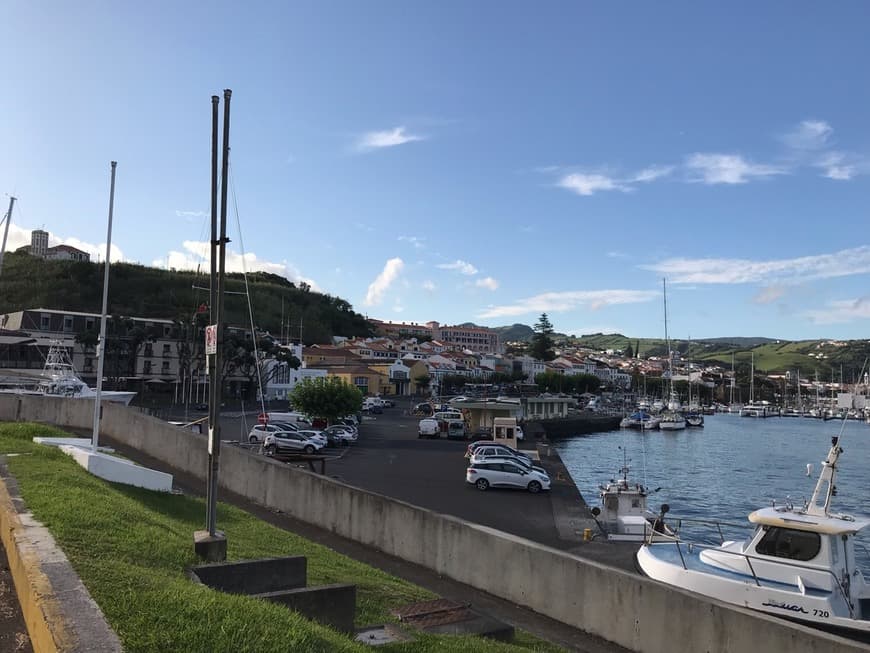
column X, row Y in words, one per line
column 108, row 467
column 82, row 443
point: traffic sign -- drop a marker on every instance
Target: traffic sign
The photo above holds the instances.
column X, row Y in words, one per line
column 211, row 339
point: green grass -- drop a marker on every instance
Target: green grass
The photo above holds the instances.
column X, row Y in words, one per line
column 131, row 548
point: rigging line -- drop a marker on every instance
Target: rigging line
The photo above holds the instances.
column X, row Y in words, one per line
column 846, row 413
column 247, row 291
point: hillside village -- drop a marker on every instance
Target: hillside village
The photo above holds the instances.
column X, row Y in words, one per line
column 159, row 359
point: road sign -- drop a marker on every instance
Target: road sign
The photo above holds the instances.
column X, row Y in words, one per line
column 211, row 339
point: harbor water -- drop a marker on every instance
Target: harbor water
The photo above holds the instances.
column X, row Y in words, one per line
column 728, row 468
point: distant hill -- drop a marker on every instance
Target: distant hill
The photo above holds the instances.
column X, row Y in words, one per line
column 140, row 291
column 515, row 333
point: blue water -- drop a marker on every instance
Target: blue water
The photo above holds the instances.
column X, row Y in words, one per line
column 729, row 468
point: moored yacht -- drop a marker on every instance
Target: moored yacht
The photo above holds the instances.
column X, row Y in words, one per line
column 799, row 563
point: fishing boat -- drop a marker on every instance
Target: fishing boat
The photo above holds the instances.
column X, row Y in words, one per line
column 59, row 379
column 799, row 563
column 624, row 515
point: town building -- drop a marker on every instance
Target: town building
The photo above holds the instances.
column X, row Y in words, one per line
column 458, row 337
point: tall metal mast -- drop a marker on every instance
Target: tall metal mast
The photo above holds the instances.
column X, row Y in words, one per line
column 6, row 230
column 101, row 343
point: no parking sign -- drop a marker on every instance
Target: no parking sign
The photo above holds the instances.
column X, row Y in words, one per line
column 211, row 339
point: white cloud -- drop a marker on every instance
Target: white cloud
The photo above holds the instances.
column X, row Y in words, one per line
column 377, row 288
column 589, row 184
column 197, row 254
column 844, row 263
column 190, row 214
column 429, row 286
column 840, row 311
column 727, row 169
column 413, row 240
column 551, row 302
column 460, row 266
column 769, row 294
column 809, row 135
column 389, row 138
column 488, row 282
column 652, row 173
column 837, row 165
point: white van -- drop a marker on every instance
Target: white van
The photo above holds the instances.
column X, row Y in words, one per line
column 292, row 417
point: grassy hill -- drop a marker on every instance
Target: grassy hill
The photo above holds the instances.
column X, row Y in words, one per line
column 140, row 291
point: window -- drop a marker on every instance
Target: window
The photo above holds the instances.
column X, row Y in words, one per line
column 67, row 323
column 164, row 369
column 789, row 543
column 45, row 322
column 89, row 324
column 149, row 350
column 89, row 365
column 146, row 367
column 361, row 381
column 166, row 350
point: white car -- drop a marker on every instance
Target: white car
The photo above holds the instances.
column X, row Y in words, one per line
column 484, row 448
column 525, row 464
column 316, row 436
column 260, row 431
column 496, row 473
column 289, row 442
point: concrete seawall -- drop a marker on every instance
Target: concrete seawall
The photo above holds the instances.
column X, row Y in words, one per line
column 634, row 612
column 576, row 425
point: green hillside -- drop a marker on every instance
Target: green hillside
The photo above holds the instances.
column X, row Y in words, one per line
column 139, row 291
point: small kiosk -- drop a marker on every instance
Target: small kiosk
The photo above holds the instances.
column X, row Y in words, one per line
column 504, row 430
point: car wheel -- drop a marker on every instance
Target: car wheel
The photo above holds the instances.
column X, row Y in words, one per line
column 253, row 439
column 482, row 484
column 309, row 449
column 534, row 487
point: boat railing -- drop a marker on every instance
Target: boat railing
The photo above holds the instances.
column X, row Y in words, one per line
column 677, row 525
column 749, row 558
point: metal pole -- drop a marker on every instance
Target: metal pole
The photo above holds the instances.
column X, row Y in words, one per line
column 213, row 372
column 222, row 248
column 6, row 230
column 101, row 344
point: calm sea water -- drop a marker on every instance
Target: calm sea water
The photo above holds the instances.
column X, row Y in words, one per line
column 730, row 467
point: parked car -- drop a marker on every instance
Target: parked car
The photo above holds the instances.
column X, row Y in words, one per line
column 274, row 416
column 260, row 431
column 340, row 434
column 506, row 474
column 428, row 427
column 495, row 449
column 316, row 436
column 388, row 403
column 289, row 442
column 522, row 462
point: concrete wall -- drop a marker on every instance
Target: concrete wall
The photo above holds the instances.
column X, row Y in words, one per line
column 634, row 612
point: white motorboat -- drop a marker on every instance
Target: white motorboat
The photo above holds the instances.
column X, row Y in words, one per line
column 640, row 420
column 757, row 409
column 798, row 564
column 59, row 379
column 624, row 515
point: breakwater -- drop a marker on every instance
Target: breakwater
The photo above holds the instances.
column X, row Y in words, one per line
column 563, row 427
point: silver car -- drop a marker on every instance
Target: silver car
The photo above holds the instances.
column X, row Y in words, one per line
column 493, row 473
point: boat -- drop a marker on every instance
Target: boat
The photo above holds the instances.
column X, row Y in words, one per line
column 671, row 417
column 640, row 420
column 799, row 563
column 624, row 515
column 755, row 408
column 694, row 419
column 59, row 379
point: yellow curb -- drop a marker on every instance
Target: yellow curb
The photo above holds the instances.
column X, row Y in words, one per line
column 42, row 612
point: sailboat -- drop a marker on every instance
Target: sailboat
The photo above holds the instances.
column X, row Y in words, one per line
column 754, row 408
column 671, row 418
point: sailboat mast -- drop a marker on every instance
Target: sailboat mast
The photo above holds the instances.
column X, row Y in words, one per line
column 668, row 341
column 101, row 344
column 6, row 230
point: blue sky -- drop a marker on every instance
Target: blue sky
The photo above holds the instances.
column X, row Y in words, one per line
column 460, row 161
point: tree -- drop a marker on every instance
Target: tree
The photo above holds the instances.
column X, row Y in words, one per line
column 629, row 352
column 326, row 397
column 542, row 341
column 422, row 382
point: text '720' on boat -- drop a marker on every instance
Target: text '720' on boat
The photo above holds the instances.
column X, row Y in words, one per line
column 798, row 564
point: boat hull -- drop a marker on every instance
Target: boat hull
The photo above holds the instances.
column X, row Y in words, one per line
column 817, row 608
